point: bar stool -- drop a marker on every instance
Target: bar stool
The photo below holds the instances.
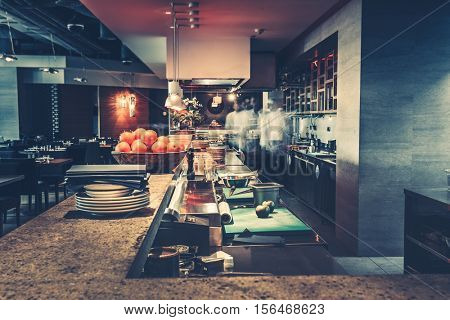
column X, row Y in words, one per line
column 7, row 203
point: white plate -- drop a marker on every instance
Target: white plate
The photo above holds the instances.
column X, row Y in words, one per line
column 113, row 209
column 117, row 201
column 107, row 194
column 110, row 213
column 135, row 195
column 105, row 187
column 111, row 205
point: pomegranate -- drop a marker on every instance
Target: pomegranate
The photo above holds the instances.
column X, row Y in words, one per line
column 159, row 146
column 164, row 139
column 150, row 137
column 139, row 133
column 127, row 137
column 123, row 147
column 173, row 147
column 139, row 147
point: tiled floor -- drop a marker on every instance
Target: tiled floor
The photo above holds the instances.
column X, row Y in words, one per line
column 352, row 265
column 371, row 265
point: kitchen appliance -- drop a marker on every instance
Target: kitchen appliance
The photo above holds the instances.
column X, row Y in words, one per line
column 163, row 262
column 238, row 180
column 218, row 153
column 332, row 145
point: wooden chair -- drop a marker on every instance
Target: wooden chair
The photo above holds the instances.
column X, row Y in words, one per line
column 31, row 185
column 92, row 155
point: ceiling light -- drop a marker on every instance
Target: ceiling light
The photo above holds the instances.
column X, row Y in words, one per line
column 193, row 4
column 231, row 97
column 215, row 82
column 8, row 57
column 194, row 12
column 168, row 12
column 194, row 25
column 126, row 55
column 192, row 20
column 49, row 70
column 174, row 102
column 75, row 27
column 259, row 31
column 80, row 79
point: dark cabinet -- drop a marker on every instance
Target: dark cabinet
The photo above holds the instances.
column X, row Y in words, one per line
column 427, row 230
column 313, row 180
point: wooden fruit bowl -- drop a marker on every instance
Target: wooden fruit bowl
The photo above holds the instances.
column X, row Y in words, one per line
column 155, row 162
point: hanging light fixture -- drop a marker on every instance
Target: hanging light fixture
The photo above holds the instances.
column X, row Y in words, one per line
column 81, row 79
column 9, row 57
column 49, row 69
column 174, row 99
column 217, row 100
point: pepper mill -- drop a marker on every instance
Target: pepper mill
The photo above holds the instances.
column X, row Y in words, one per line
column 190, row 160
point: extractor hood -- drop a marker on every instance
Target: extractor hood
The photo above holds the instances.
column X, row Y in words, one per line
column 214, row 61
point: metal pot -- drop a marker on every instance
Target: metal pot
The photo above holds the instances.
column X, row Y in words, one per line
column 163, row 262
column 266, row 192
column 238, row 180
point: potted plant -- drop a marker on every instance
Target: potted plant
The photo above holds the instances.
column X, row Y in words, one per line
column 190, row 117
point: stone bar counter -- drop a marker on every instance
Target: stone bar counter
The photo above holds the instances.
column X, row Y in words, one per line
column 63, row 254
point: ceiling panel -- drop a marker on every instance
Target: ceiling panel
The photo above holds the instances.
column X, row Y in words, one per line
column 146, row 20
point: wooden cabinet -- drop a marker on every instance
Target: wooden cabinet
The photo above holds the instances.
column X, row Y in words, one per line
column 312, row 87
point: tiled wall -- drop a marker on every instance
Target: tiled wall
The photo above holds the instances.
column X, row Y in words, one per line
column 325, row 127
column 405, row 113
column 347, row 22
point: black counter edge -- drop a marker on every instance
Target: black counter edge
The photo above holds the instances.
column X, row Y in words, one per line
column 137, row 266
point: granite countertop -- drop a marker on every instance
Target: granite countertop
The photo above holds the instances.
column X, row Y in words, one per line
column 59, row 255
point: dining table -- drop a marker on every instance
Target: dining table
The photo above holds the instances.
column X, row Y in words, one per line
column 7, row 180
column 36, row 152
column 50, row 166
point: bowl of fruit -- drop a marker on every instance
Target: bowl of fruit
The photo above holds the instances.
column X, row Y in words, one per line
column 141, row 146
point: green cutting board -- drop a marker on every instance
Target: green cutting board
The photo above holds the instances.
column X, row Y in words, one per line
column 282, row 220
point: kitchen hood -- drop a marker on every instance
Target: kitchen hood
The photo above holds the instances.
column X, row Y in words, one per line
column 215, row 61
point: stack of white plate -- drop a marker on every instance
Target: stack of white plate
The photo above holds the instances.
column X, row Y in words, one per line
column 110, row 199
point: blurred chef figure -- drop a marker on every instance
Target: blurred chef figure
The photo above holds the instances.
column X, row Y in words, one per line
column 232, row 124
column 272, row 126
